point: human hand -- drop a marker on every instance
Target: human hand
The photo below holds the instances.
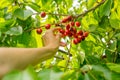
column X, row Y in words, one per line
column 52, row 39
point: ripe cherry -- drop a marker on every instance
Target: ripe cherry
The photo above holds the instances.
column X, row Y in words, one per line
column 72, row 23
column 73, row 30
column 64, row 20
column 39, row 31
column 47, row 26
column 43, row 14
column 79, row 39
column 80, row 32
column 75, row 35
column 70, row 34
column 76, row 41
column 67, row 32
column 69, row 18
column 85, row 34
column 68, row 26
column 83, row 38
column 62, row 31
column 77, row 23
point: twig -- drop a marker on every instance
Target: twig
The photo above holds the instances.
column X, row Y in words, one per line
column 51, row 14
column 59, row 57
column 67, row 63
column 84, row 13
column 64, row 52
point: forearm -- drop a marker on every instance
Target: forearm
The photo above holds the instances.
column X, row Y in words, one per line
column 19, row 58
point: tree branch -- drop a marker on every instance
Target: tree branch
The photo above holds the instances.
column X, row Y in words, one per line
column 84, row 13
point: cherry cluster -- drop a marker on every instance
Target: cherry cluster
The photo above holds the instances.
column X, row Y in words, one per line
column 69, row 29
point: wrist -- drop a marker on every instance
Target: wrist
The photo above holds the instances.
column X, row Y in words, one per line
column 52, row 48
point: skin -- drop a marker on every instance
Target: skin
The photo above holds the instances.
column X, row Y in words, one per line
column 20, row 58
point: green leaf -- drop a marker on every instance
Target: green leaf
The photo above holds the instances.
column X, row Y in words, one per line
column 90, row 3
column 34, row 6
column 22, row 14
column 87, row 46
column 117, row 35
column 92, row 27
column 68, row 74
column 48, row 74
column 118, row 46
column 104, row 70
column 14, row 75
column 4, row 26
column 69, row 3
column 114, row 67
column 86, row 68
column 81, row 57
column 114, row 20
column 15, row 31
column 27, row 74
column 86, row 77
column 27, row 40
column 5, row 3
column 105, row 8
column 115, row 76
column 0, row 33
column 118, row 10
column 113, row 45
column 45, row 4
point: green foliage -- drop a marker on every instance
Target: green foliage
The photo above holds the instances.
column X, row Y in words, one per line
column 95, row 58
column 28, row 74
column 22, row 14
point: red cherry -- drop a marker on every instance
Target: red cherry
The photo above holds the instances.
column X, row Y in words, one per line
column 68, row 26
column 85, row 34
column 47, row 26
column 77, row 23
column 70, row 34
column 75, row 41
column 72, row 23
column 67, row 32
column 64, row 20
column 69, row 18
column 43, row 14
column 79, row 40
column 75, row 35
column 39, row 31
column 62, row 31
column 83, row 38
column 73, row 30
column 80, row 32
